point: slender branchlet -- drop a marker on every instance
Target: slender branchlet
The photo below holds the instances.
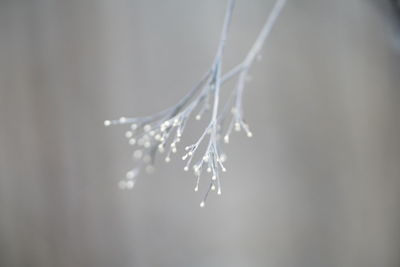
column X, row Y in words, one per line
column 160, row 133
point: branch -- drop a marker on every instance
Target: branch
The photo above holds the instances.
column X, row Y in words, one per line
column 163, row 131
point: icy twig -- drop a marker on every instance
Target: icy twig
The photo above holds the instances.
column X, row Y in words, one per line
column 162, row 131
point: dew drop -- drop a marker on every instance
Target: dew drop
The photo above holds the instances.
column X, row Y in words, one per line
column 147, row 128
column 132, row 141
column 128, row 134
column 129, row 184
column 130, row 174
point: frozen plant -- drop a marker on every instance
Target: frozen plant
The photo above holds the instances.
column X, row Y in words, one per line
column 161, row 132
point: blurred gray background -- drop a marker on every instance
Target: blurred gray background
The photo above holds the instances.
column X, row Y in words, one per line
column 318, row 185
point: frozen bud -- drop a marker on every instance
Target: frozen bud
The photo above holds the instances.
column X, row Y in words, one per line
column 167, row 159
column 128, row 134
column 167, row 123
column 129, row 184
column 132, row 141
column 202, row 204
column 137, row 154
column 185, row 157
column 161, row 148
column 107, row 123
column 214, row 178
column 208, row 169
column 122, row 120
column 213, row 187
column 186, row 168
column 130, row 174
column 205, row 158
column 157, row 137
column 147, row 128
column 174, row 150
column 147, row 144
column 226, row 139
column 152, row 133
column 222, row 158
column 196, row 189
column 198, row 117
column 223, row 169
column 249, row 134
column 237, row 126
column 176, row 122
column 219, row 191
column 133, row 126
column 173, row 144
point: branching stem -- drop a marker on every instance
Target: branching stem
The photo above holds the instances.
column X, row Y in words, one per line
column 166, row 127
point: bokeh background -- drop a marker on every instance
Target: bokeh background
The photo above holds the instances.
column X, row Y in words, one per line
column 318, row 185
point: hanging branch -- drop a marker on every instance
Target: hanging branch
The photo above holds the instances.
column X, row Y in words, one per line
column 161, row 132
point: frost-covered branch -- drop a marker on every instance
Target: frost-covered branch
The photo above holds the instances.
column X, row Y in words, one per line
column 161, row 132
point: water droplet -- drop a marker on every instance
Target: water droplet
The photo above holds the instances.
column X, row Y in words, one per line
column 122, row 120
column 128, row 134
column 147, row 128
column 132, row 141
column 129, row 184
column 226, row 139
column 130, row 174
column 237, row 127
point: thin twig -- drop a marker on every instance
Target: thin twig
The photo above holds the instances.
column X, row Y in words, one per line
column 165, row 128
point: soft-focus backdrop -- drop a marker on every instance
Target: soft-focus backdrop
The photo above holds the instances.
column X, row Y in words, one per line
column 317, row 186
